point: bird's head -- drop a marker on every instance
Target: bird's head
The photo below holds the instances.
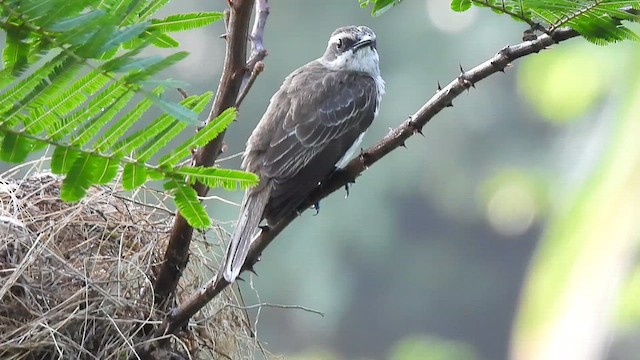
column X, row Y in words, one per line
column 352, row 48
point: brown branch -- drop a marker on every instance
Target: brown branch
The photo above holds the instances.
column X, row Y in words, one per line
column 394, row 139
column 235, row 70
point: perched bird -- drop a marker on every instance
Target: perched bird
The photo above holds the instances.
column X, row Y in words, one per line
column 314, row 123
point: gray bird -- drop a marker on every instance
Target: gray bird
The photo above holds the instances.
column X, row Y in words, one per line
column 314, row 123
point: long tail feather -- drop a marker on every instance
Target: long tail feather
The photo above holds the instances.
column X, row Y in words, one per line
column 253, row 205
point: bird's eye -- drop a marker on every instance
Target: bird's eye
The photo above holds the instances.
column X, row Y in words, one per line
column 339, row 44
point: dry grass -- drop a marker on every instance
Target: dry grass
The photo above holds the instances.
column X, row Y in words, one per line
column 75, row 279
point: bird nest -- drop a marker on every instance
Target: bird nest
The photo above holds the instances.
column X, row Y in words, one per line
column 76, row 278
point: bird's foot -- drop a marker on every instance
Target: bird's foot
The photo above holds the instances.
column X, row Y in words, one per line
column 316, row 207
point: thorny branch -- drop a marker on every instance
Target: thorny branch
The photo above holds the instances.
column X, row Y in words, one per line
column 236, row 70
column 394, row 139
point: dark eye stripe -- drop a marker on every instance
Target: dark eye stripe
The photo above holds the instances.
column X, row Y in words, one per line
column 344, row 44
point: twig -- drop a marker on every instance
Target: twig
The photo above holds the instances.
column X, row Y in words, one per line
column 257, row 69
column 277, row 306
column 258, row 52
column 394, row 139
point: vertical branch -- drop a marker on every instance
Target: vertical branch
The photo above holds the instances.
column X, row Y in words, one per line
column 233, row 73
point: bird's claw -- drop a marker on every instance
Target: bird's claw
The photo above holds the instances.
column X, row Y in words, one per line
column 346, row 188
column 316, row 207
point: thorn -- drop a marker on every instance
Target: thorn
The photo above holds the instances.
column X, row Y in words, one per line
column 182, row 93
column 439, row 87
column 466, row 83
column 250, row 269
column 449, row 104
column 404, row 145
column 223, row 36
column 363, row 159
column 461, row 69
column 264, row 228
column 529, row 35
column 418, row 131
column 346, row 188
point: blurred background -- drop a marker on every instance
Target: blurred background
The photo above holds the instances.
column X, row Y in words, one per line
column 509, row 230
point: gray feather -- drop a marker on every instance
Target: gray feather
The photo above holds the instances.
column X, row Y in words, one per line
column 252, row 208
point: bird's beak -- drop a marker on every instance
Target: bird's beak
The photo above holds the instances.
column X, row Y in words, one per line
column 366, row 41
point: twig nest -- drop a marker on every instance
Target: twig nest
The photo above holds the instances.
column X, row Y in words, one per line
column 76, row 278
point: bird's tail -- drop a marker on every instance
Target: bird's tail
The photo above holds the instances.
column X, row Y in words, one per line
column 253, row 205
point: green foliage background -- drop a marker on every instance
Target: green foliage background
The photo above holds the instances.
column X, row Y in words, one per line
column 69, row 71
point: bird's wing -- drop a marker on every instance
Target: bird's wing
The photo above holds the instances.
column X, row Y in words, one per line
column 327, row 111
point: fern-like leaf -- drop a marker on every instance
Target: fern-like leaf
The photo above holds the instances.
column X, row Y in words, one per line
column 215, row 177
column 81, row 175
column 133, row 176
column 125, row 122
column 15, row 147
column 598, row 21
column 186, row 200
column 202, row 137
column 62, row 159
column 183, row 22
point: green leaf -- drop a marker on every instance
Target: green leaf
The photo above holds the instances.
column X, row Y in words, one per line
column 460, row 5
column 106, row 170
column 176, row 110
column 131, row 64
column 124, row 35
column 187, row 202
column 215, row 177
column 152, row 8
column 27, row 86
column 81, row 175
column 46, row 112
column 161, row 140
column 183, row 22
column 170, row 132
column 133, row 176
column 142, row 136
column 68, row 24
column 155, row 68
column 381, row 6
column 124, row 123
column 164, row 41
column 201, row 138
column 62, row 159
column 102, row 108
column 16, row 51
column 15, row 147
column 160, row 40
